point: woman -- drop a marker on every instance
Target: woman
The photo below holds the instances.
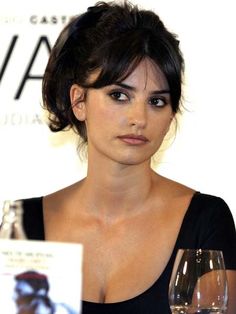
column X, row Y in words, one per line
column 114, row 75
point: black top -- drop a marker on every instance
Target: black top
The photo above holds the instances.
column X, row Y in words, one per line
column 207, row 224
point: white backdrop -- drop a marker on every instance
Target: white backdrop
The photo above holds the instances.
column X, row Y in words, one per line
column 34, row 161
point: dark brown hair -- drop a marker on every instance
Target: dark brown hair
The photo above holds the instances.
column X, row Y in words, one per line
column 113, row 38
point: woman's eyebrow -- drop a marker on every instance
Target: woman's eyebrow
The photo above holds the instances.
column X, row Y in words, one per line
column 160, row 91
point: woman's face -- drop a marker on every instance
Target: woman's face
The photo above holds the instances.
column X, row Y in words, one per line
column 127, row 122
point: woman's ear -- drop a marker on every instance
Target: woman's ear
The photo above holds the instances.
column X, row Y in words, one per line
column 77, row 99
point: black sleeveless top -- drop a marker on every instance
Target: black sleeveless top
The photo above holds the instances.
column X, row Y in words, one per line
column 207, row 224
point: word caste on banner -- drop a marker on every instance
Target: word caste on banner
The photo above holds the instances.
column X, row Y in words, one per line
column 49, row 20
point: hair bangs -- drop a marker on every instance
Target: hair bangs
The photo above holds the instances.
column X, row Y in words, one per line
column 115, row 67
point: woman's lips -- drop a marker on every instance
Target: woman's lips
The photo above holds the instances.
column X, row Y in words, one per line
column 133, row 139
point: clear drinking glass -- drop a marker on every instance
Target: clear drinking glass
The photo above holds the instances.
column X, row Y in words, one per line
column 198, row 283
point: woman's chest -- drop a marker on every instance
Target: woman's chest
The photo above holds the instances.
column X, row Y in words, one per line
column 120, row 264
column 123, row 258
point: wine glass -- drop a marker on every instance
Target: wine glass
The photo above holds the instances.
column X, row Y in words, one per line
column 198, row 283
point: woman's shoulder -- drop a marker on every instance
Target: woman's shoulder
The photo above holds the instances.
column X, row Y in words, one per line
column 66, row 190
column 173, row 193
column 33, row 217
column 209, row 203
column 176, row 189
column 173, row 187
column 32, row 203
column 194, row 203
column 210, row 213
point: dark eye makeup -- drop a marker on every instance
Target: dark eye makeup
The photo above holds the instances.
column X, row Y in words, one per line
column 157, row 100
column 118, row 95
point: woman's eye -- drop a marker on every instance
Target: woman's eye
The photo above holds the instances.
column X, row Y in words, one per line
column 119, row 96
column 157, row 102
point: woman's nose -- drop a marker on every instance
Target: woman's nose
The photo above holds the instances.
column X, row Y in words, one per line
column 138, row 115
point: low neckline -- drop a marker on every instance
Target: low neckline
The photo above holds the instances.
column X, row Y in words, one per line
column 158, row 280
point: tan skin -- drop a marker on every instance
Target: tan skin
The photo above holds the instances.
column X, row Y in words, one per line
column 126, row 215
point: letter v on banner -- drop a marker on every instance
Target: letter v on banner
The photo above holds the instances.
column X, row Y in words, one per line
column 8, row 56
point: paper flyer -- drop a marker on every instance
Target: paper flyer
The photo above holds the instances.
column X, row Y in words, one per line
column 40, row 277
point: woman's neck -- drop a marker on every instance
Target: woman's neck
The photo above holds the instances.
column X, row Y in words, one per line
column 117, row 190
